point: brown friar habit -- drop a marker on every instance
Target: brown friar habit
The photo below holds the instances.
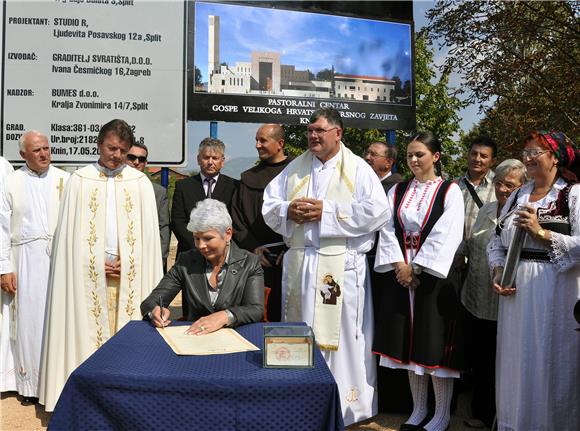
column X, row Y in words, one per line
column 432, row 338
column 250, row 230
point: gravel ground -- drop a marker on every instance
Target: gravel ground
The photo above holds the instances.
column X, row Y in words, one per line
column 18, row 417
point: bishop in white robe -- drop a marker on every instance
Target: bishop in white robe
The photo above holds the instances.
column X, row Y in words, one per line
column 350, row 220
column 106, row 259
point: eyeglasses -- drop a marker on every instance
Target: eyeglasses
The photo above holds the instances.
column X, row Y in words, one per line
column 533, row 153
column 133, row 157
column 374, row 155
column 317, row 132
column 509, row 187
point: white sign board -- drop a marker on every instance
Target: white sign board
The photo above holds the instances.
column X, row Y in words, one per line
column 70, row 66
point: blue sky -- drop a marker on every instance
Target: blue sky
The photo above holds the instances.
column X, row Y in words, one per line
column 306, row 40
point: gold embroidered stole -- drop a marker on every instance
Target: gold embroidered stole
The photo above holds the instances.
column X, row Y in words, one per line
column 331, row 254
column 129, row 230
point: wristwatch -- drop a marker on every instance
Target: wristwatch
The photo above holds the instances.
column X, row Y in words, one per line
column 541, row 234
column 417, row 269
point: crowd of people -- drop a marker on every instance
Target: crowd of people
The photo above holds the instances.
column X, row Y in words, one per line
column 391, row 273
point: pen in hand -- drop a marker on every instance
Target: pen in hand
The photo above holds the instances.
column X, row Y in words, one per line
column 161, row 311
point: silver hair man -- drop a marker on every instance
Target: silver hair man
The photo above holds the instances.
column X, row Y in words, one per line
column 213, row 144
column 209, row 214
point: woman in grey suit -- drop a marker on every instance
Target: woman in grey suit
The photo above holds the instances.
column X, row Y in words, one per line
column 222, row 284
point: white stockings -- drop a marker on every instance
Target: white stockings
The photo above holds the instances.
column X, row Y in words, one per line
column 419, row 386
column 443, row 388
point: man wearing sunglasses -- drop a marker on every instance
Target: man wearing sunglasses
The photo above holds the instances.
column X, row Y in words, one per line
column 137, row 158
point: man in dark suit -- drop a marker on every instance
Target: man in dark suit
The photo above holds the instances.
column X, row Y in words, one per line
column 137, row 158
column 382, row 157
column 208, row 183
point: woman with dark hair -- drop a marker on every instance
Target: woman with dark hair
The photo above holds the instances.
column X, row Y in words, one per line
column 416, row 323
column 538, row 351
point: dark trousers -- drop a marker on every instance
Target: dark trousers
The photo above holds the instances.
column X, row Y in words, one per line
column 481, row 348
column 273, row 280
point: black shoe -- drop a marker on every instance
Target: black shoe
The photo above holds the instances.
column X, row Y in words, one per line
column 474, row 423
column 29, row 401
column 446, row 429
column 419, row 426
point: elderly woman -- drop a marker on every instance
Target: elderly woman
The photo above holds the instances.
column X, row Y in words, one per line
column 480, row 300
column 538, row 350
column 222, row 284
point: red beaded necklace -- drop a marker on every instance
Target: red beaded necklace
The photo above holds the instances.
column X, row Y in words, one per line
column 428, row 185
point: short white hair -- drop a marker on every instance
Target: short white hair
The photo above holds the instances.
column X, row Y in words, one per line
column 209, row 214
column 25, row 135
column 508, row 166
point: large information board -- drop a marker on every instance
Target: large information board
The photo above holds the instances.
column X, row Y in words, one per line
column 70, row 66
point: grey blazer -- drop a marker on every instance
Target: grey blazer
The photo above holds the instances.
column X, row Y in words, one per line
column 242, row 291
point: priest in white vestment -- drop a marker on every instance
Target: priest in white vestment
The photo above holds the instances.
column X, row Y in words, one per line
column 106, row 259
column 7, row 378
column 32, row 199
column 327, row 204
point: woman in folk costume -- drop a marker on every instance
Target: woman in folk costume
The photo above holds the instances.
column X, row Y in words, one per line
column 538, row 349
column 416, row 327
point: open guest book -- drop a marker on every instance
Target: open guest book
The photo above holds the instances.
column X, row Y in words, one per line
column 220, row 342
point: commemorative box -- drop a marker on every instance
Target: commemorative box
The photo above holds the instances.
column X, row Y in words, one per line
column 288, row 346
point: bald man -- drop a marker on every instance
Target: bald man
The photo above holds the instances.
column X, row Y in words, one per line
column 250, row 230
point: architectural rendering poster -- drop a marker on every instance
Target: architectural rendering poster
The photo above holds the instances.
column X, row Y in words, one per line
column 255, row 64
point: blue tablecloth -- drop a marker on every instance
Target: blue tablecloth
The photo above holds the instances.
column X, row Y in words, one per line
column 136, row 382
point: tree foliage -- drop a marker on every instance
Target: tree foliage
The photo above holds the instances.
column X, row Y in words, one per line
column 521, row 57
column 437, row 111
column 437, row 107
column 325, row 75
column 197, row 76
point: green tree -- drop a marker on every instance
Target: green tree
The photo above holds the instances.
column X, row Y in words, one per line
column 197, row 76
column 521, row 58
column 437, row 107
column 325, row 75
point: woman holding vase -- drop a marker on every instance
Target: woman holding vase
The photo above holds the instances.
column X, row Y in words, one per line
column 538, row 349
